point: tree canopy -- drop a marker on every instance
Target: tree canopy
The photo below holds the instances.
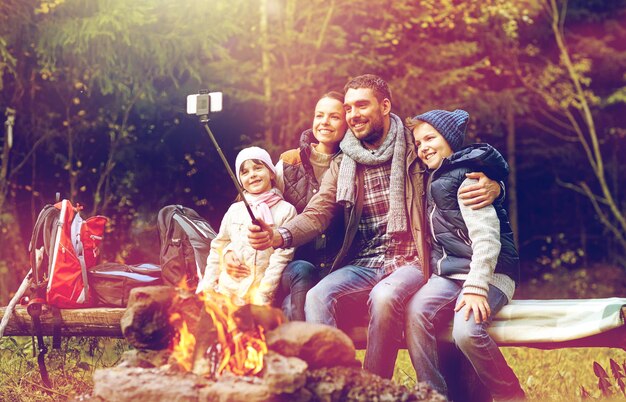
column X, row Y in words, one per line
column 93, row 95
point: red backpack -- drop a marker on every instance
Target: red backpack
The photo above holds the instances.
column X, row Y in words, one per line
column 70, row 246
column 63, row 245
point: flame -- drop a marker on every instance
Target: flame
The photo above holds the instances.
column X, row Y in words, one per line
column 183, row 284
column 240, row 352
column 184, row 343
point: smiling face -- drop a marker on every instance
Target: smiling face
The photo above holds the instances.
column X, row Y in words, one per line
column 431, row 146
column 329, row 124
column 256, row 178
column 367, row 117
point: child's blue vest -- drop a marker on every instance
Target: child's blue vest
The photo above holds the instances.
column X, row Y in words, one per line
column 452, row 251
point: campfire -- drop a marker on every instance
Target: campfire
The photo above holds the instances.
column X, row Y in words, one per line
column 192, row 347
column 227, row 337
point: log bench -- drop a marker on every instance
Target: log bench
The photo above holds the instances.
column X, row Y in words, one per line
column 539, row 329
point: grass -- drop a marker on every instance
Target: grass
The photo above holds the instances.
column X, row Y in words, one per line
column 545, row 375
column 70, row 368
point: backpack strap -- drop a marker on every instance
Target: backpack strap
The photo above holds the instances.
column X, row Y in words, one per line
column 57, row 322
column 80, row 253
column 41, row 238
column 34, row 309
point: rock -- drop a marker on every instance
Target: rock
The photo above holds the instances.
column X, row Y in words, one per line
column 232, row 388
column 317, row 344
column 284, row 374
column 351, row 384
column 136, row 384
column 284, row 379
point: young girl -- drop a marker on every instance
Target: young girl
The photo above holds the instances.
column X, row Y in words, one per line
column 475, row 262
column 257, row 274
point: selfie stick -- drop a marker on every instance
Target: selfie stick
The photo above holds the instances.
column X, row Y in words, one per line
column 205, row 120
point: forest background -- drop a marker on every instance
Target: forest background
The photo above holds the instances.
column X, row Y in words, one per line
column 92, row 94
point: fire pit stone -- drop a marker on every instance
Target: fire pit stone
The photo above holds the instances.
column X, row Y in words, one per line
column 317, row 344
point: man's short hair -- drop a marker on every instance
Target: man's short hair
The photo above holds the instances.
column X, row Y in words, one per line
column 373, row 82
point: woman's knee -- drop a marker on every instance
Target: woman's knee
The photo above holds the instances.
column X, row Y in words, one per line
column 297, row 271
column 316, row 296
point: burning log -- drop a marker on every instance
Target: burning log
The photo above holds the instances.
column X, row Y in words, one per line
column 154, row 311
column 252, row 316
column 225, row 336
column 145, row 323
column 206, row 333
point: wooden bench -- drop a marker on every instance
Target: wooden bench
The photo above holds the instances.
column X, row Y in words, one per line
column 106, row 322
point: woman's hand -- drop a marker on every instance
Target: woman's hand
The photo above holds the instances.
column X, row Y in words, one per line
column 234, row 267
column 476, row 303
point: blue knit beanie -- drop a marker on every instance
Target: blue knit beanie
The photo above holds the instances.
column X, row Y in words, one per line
column 451, row 125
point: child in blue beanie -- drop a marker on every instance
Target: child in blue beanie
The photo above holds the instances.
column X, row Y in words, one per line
column 475, row 261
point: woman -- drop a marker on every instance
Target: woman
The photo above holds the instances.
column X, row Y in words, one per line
column 299, row 174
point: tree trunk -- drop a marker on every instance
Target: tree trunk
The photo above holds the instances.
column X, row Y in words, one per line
column 6, row 148
column 265, row 72
column 511, row 191
column 590, row 141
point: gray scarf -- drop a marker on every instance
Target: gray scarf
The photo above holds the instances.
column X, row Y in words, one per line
column 394, row 148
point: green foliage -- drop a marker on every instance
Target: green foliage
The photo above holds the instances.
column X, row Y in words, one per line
column 99, row 89
column 619, row 96
column 557, row 253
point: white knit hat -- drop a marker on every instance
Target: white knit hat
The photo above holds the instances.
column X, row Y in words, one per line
column 253, row 153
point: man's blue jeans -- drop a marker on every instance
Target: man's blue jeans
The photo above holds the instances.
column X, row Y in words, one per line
column 431, row 308
column 386, row 300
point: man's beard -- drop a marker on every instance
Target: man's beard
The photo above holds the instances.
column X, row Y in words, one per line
column 376, row 132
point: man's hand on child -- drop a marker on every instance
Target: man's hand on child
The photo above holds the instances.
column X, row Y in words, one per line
column 480, row 194
column 262, row 236
column 476, row 303
column 234, row 267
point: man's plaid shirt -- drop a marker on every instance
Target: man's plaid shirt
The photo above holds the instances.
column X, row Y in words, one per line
column 379, row 249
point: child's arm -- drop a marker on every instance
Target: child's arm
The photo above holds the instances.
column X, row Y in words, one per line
column 219, row 247
column 277, row 263
column 483, row 227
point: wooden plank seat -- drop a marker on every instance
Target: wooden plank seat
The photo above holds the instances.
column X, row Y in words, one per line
column 530, row 323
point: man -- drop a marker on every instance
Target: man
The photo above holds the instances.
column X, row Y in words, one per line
column 379, row 184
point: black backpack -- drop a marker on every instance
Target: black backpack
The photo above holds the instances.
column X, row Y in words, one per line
column 185, row 244
column 112, row 282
